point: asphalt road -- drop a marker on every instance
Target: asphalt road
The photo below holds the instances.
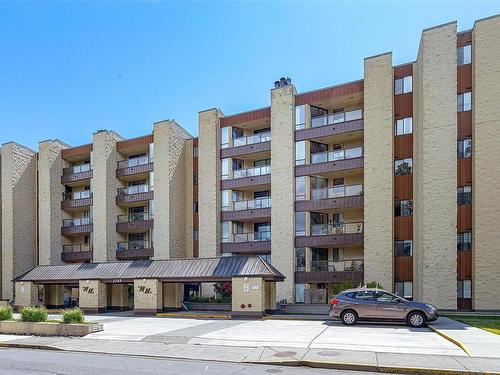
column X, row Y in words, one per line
column 27, row 361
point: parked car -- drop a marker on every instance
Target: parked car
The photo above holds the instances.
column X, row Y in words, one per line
column 376, row 304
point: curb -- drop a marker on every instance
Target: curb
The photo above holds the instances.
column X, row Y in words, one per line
column 453, row 340
column 193, row 316
column 28, row 346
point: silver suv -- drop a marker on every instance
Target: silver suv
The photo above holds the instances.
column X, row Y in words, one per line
column 376, row 304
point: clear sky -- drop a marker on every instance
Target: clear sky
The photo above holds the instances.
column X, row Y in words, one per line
column 68, row 69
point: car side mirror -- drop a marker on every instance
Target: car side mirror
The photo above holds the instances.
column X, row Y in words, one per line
column 399, row 300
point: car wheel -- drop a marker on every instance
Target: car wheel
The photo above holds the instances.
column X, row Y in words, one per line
column 349, row 317
column 416, row 319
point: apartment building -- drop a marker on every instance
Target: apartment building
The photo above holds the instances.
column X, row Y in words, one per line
column 388, row 179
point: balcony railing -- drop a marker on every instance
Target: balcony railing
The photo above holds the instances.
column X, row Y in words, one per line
column 251, row 172
column 134, row 162
column 77, row 169
column 337, row 192
column 252, row 204
column 336, row 118
column 133, row 245
column 248, row 237
column 335, row 229
column 134, row 189
column 349, row 153
column 77, row 221
column 77, row 195
column 136, row 216
column 348, row 265
column 252, row 139
column 78, row 248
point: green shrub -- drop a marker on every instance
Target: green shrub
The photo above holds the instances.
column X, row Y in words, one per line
column 73, row 316
column 6, row 313
column 33, row 314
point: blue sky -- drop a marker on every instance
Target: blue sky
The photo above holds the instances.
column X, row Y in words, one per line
column 68, row 69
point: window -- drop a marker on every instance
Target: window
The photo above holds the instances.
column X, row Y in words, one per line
column 464, row 102
column 404, row 289
column 403, row 248
column 299, row 293
column 225, row 194
column 385, row 297
column 300, row 117
column 403, row 85
column 195, row 234
column 263, row 130
column 224, row 225
column 464, row 55
column 225, row 169
column 195, row 178
column 464, row 195
column 464, row 289
column 403, row 167
column 403, row 208
column 365, row 295
column 300, row 188
column 195, row 151
column 338, row 254
column 464, row 241
column 300, row 223
column 224, row 137
column 464, row 149
column 300, row 153
column 300, row 259
column 404, row 126
column 195, row 207
column 262, row 163
column 266, row 257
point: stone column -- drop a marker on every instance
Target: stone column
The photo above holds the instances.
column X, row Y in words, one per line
column 173, row 296
column 148, row 296
column 249, row 297
column 54, row 296
column 26, row 294
column 118, row 298
column 92, row 296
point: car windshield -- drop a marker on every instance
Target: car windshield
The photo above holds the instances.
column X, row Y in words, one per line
column 388, row 297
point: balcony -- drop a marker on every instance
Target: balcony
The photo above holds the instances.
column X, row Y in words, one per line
column 76, row 253
column 77, row 227
column 132, row 195
column 248, row 177
column 331, row 235
column 333, row 124
column 247, row 210
column 76, row 174
column 253, row 242
column 134, row 222
column 332, row 272
column 332, row 161
column 134, row 167
column 333, row 198
column 76, row 200
column 250, row 144
column 134, row 250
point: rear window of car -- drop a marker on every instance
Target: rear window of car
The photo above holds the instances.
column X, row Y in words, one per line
column 351, row 294
column 365, row 295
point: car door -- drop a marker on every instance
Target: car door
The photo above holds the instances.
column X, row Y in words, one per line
column 365, row 304
column 387, row 306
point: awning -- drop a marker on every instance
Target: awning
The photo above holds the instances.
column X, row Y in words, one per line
column 172, row 270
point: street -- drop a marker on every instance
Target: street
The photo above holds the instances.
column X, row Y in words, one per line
column 26, row 361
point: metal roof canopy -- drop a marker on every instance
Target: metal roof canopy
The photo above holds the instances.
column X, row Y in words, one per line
column 171, row 270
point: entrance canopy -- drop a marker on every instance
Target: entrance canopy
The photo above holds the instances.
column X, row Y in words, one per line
column 171, row 270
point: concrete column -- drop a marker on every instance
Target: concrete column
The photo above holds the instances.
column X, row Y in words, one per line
column 378, row 170
column 118, row 297
column 435, row 167
column 270, row 296
column 92, row 296
column 209, row 182
column 486, row 169
column 249, row 297
column 19, row 212
column 104, row 189
column 54, row 296
column 283, row 186
column 50, row 192
column 170, row 190
column 173, row 296
column 26, row 294
column 148, row 296
column 189, row 224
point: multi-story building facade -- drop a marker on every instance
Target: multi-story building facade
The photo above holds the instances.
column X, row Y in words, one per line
column 389, row 179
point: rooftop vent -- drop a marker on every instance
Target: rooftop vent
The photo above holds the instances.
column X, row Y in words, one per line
column 282, row 82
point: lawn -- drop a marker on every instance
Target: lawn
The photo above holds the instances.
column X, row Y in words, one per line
column 488, row 323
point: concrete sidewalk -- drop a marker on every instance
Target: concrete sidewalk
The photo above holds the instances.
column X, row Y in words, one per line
column 271, row 355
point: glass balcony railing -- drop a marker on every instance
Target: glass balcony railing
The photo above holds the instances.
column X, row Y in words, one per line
column 252, row 204
column 133, row 245
column 252, row 139
column 77, row 169
column 76, row 248
column 336, row 228
column 77, row 221
column 136, row 216
column 348, row 265
column 134, row 162
column 77, row 195
column 336, row 192
column 348, row 153
column 336, row 118
column 251, row 172
column 248, row 237
column 134, row 189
